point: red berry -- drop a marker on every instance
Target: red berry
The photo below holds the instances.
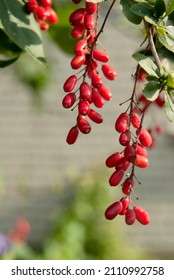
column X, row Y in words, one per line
column 100, row 56
column 113, row 159
column 77, row 31
column 83, row 124
column 41, row 13
column 141, row 161
column 127, row 186
column 95, row 116
column 141, row 215
column 70, row 83
column 96, row 80
column 80, row 47
column 144, row 137
column 44, row 26
column 77, row 17
column 113, row 210
column 122, row 164
column 105, row 92
column 135, row 119
column 84, row 107
column 72, row 135
column 140, row 150
column 76, row 1
column 97, row 99
column 69, row 100
column 91, row 8
column 89, row 21
column 77, row 61
column 116, row 177
column 85, row 91
column 51, row 16
column 130, row 153
column 46, row 3
column 31, row 6
column 130, row 217
column 125, row 138
column 109, row 72
column 122, row 122
column 125, row 203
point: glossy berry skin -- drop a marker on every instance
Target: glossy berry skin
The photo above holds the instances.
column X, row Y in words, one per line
column 96, row 80
column 122, row 122
column 125, row 203
column 113, row 210
column 77, row 31
column 46, row 3
column 116, row 177
column 130, row 217
column 44, row 26
column 109, row 72
column 113, row 159
column 83, row 107
column 89, row 21
column 83, row 124
column 70, row 83
column 135, row 119
column 125, row 138
column 127, row 186
column 69, row 100
column 77, row 17
column 130, row 153
column 41, row 13
column 141, row 161
column 90, row 7
column 80, row 47
column 144, row 137
column 100, row 56
column 105, row 92
column 77, row 61
column 52, row 17
column 95, row 116
column 72, row 135
column 85, row 91
column 122, row 164
column 140, row 150
column 97, row 99
column 31, row 6
column 141, row 215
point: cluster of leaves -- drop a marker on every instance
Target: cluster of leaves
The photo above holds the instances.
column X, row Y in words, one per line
column 157, row 16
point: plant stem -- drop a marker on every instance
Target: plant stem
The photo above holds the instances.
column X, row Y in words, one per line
column 152, row 46
column 104, row 22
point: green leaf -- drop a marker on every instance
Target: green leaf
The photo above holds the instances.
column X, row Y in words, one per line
column 126, row 9
column 169, row 107
column 142, row 9
column 61, row 33
column 22, row 28
column 152, row 90
column 170, row 81
column 170, row 7
column 150, row 19
column 5, row 63
column 159, row 8
column 166, row 36
column 146, row 63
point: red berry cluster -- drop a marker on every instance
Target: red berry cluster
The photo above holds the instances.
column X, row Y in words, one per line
column 91, row 90
column 43, row 12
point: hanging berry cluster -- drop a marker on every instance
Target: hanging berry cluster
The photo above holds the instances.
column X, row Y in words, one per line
column 86, row 88
column 153, row 86
column 43, row 13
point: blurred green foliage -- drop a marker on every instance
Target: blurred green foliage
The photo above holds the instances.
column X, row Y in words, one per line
column 82, row 232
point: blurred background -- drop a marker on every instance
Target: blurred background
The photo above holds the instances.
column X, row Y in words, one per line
column 52, row 195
